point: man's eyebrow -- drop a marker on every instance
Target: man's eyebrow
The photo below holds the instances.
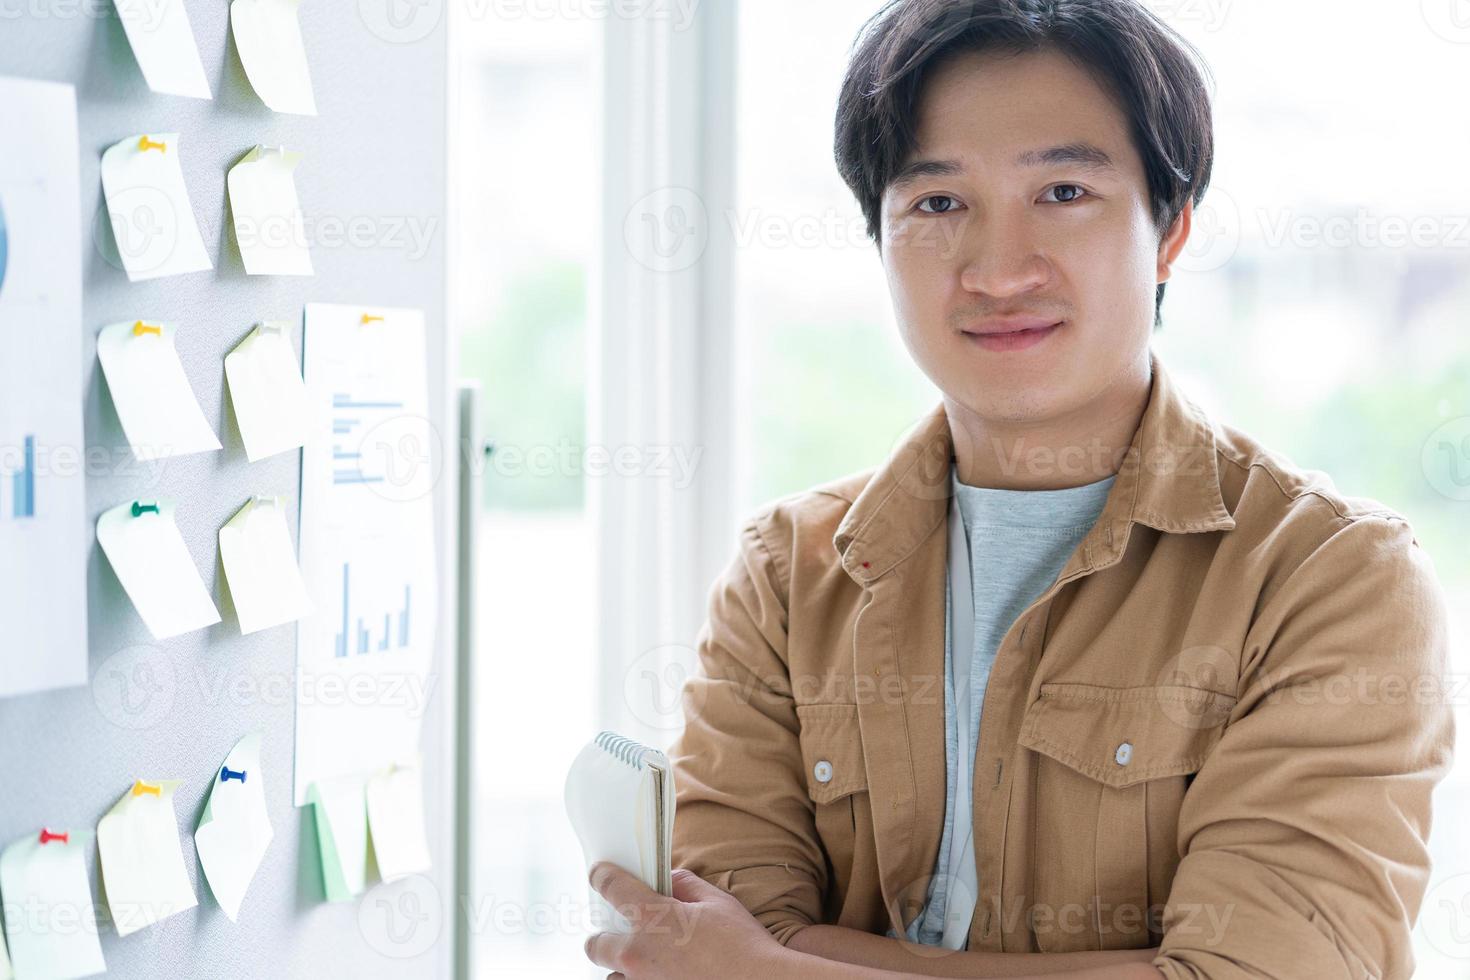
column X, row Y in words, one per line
column 1084, row 155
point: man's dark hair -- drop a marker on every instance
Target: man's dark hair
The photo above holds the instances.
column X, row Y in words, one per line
column 1154, row 73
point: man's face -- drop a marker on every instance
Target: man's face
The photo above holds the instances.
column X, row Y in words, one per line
column 978, row 234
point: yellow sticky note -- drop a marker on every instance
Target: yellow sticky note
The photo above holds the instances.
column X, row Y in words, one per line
column 143, row 870
column 267, row 391
column 163, row 43
column 268, row 225
column 395, row 808
column 146, row 550
column 268, row 37
column 154, row 402
column 52, row 923
column 149, row 210
column 235, row 830
column 260, row 564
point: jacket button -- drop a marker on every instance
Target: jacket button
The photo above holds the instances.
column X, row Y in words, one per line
column 823, row 771
column 1124, row 754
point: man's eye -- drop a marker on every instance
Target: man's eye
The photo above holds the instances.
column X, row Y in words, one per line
column 938, row 204
column 1067, row 192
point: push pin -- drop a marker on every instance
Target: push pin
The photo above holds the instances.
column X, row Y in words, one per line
column 142, row 508
column 140, row 787
column 369, row 318
column 144, row 144
column 226, row 774
column 47, row 837
column 140, row 328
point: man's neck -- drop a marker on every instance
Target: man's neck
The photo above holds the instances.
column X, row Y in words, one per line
column 1083, row 446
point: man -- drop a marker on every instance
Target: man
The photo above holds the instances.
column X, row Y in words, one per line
column 1077, row 682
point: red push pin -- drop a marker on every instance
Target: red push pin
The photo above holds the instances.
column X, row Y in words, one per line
column 47, row 837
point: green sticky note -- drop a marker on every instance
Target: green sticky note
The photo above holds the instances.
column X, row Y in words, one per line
column 340, row 809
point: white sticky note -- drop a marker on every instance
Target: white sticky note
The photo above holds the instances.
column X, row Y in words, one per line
column 235, row 830
column 148, row 207
column 146, row 550
column 143, row 871
column 266, row 213
column 340, row 808
column 163, row 43
column 52, row 923
column 395, row 808
column 155, row 404
column 268, row 36
column 267, row 391
column 260, row 566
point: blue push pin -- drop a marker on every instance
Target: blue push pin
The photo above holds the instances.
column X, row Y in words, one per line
column 226, row 774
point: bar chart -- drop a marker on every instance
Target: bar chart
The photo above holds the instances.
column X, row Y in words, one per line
column 394, row 635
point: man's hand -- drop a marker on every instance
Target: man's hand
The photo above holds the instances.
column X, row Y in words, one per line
column 700, row 932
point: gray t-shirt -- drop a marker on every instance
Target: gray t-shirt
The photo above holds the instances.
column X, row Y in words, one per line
column 1017, row 542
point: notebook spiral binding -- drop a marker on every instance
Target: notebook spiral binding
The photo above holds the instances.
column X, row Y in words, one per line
column 622, row 748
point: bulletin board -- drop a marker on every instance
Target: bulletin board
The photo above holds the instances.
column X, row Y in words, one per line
column 371, row 184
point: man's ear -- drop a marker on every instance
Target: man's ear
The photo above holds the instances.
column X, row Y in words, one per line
column 1174, row 242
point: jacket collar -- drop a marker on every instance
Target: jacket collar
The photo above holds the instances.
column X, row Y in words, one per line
column 1169, row 480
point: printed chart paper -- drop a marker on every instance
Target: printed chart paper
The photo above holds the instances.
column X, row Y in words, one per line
column 267, row 392
column 43, row 506
column 157, row 408
column 163, row 43
column 149, row 210
column 235, row 830
column 268, row 37
column 142, row 861
column 260, row 566
column 45, row 873
column 148, row 554
column 267, row 214
column 367, row 543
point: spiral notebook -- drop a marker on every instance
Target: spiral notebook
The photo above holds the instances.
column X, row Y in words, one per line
column 620, row 799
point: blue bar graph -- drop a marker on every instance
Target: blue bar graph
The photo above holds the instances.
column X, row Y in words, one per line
column 362, row 635
column 23, row 483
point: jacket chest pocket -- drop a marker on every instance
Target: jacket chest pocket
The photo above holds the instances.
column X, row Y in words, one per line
column 837, row 782
column 1110, row 773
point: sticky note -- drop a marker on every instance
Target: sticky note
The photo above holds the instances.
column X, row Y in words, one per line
column 5, row 973
column 267, row 215
column 146, row 550
column 156, row 406
column 235, row 830
column 342, row 834
column 51, row 921
column 395, row 808
column 142, row 863
column 267, row 391
column 268, row 37
column 260, row 566
column 163, row 43
column 148, row 207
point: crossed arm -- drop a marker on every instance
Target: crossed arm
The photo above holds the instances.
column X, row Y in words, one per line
column 703, row 931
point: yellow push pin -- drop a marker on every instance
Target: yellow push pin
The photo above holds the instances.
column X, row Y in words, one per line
column 140, row 787
column 369, row 318
column 140, row 328
column 144, row 144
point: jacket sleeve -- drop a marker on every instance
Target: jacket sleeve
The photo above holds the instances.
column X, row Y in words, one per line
column 1303, row 835
column 743, row 819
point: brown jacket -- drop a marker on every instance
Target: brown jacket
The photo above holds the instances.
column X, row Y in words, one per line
column 1270, row 650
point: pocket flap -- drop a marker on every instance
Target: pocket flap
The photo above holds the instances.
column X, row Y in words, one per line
column 1124, row 735
column 831, row 750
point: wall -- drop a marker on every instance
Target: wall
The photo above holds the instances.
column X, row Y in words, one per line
column 374, row 152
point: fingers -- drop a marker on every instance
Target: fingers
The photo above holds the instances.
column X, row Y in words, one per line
column 690, row 887
column 623, row 889
column 605, row 949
